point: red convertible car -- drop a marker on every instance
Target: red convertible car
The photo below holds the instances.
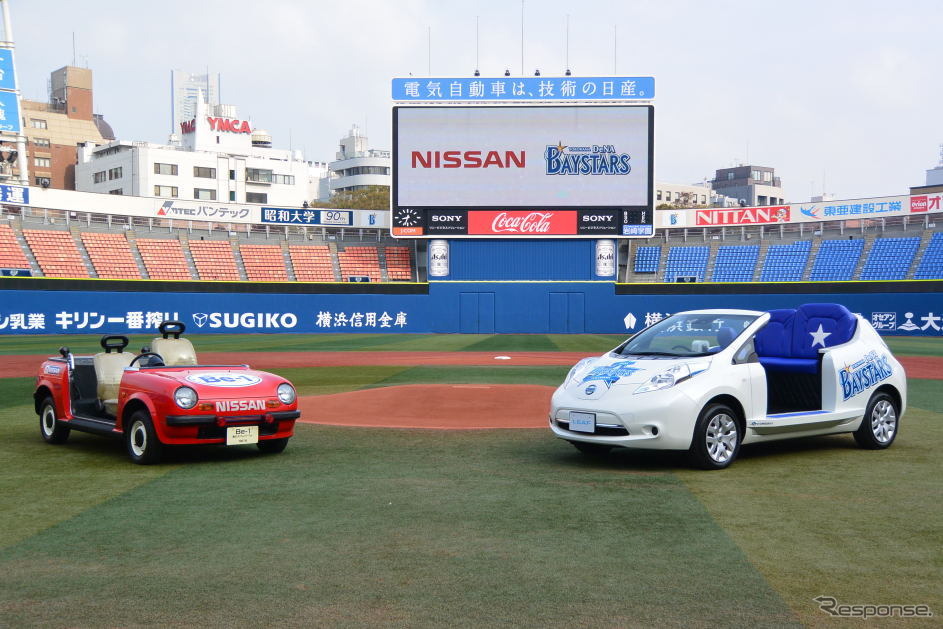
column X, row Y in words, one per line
column 162, row 397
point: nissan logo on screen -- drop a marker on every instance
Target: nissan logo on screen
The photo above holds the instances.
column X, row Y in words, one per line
column 460, row 167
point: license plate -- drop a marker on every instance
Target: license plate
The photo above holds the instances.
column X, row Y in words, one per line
column 241, row 435
column 583, row 422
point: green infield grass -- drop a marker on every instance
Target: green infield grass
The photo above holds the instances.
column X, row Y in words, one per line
column 353, row 527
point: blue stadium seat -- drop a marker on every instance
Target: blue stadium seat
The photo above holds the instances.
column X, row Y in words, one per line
column 786, row 263
column 735, row 263
column 686, row 262
column 647, row 259
column 931, row 264
column 890, row 259
column 836, row 260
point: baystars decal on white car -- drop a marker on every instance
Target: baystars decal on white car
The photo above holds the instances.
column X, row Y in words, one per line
column 224, row 379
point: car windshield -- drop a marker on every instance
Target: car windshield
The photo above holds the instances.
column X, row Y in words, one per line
column 687, row 334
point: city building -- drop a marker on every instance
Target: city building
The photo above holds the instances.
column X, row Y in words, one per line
column 934, row 181
column 219, row 157
column 357, row 166
column 54, row 129
column 750, row 185
column 674, row 195
column 186, row 91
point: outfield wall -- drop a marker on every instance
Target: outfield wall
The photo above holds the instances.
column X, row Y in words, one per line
column 49, row 306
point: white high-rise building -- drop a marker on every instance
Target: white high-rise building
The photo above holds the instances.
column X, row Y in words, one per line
column 186, row 90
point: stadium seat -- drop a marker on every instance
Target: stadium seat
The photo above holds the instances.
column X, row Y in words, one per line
column 163, row 259
column 56, row 253
column 11, row 254
column 931, row 263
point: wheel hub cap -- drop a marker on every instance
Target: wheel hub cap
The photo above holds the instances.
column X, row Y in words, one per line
column 721, row 437
column 883, row 421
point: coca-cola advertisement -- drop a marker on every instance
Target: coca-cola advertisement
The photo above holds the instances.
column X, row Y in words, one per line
column 522, row 223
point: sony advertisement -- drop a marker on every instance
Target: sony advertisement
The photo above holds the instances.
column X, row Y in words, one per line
column 526, row 170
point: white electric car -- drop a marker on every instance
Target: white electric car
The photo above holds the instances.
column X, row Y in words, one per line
column 708, row 381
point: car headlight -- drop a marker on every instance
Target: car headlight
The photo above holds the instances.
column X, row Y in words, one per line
column 185, row 397
column 286, row 393
column 672, row 376
column 577, row 370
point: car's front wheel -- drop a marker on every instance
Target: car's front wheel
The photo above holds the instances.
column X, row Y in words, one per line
column 879, row 426
column 140, row 438
column 717, row 438
column 273, row 446
column 52, row 430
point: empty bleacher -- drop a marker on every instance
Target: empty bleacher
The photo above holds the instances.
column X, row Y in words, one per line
column 786, row 263
column 647, row 259
column 836, row 260
column 399, row 266
column 214, row 260
column 163, row 259
column 931, row 264
column 360, row 261
column 111, row 256
column 56, row 253
column 312, row 263
column 11, row 254
column 686, row 262
column 890, row 259
column 735, row 263
column 264, row 263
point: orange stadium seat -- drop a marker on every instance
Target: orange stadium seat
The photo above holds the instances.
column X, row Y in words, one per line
column 264, row 263
column 312, row 263
column 214, row 260
column 56, row 253
column 163, row 259
column 398, row 265
column 111, row 256
column 11, row 254
column 360, row 261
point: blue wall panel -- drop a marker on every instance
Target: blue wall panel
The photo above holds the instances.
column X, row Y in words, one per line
column 539, row 307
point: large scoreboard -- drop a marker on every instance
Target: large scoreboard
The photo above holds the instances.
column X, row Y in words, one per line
column 583, row 170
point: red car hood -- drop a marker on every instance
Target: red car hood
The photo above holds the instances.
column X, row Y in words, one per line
column 223, row 382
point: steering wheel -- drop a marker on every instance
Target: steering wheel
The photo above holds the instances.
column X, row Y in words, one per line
column 148, row 355
column 682, row 347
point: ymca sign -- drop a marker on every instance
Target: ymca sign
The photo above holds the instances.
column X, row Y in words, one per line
column 229, row 125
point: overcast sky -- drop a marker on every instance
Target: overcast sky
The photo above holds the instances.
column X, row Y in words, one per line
column 845, row 91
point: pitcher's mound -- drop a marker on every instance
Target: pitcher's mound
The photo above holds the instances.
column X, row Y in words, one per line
column 441, row 406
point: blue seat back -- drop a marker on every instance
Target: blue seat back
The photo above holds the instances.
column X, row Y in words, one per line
column 832, row 324
column 775, row 339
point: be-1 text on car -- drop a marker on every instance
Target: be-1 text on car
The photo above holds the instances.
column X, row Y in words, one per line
column 708, row 381
column 161, row 397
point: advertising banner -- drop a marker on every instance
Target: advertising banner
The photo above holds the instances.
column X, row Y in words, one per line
column 7, row 78
column 519, row 162
column 9, row 113
column 505, row 88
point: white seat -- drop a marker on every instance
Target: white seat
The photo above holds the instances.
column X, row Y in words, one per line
column 175, row 352
column 109, row 368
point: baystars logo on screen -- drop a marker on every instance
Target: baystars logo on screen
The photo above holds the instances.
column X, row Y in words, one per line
column 598, row 159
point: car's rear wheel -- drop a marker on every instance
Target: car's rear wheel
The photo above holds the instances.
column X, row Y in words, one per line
column 52, row 430
column 880, row 423
column 591, row 449
column 717, row 438
column 273, row 446
column 140, row 438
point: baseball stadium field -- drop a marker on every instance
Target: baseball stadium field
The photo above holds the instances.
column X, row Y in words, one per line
column 423, row 489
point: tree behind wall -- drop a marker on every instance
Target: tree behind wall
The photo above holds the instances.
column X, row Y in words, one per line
column 370, row 198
